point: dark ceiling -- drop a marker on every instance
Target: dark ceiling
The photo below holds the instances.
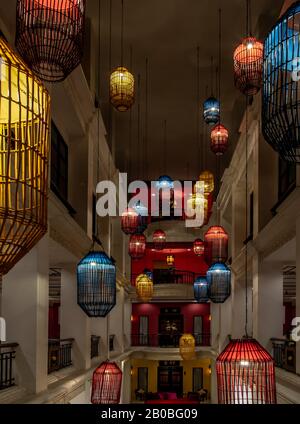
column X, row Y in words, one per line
column 167, row 32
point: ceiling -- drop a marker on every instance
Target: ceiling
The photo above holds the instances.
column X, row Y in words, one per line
column 167, row 33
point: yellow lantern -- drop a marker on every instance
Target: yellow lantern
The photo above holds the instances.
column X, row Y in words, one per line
column 187, row 346
column 121, row 89
column 170, row 260
column 209, row 182
column 24, row 153
column 144, row 288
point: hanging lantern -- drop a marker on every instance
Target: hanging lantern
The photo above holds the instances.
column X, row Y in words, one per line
column 211, row 111
column 142, row 212
column 280, row 109
column 197, row 204
column 24, row 154
column 219, row 139
column 96, row 284
column 50, row 35
column 106, row 384
column 201, row 290
column 245, row 374
column 165, row 182
column 129, row 221
column 170, row 260
column 198, row 247
column 248, row 62
column 219, row 282
column 216, row 245
column 187, row 346
column 209, row 182
column 137, row 246
column 144, row 288
column 121, row 89
column 159, row 239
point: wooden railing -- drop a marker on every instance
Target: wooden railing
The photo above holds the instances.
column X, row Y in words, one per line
column 59, row 354
column 284, row 353
column 170, row 276
column 7, row 356
column 95, row 346
column 167, row 340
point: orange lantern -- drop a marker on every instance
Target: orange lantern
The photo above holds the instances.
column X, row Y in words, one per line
column 219, row 139
column 187, row 346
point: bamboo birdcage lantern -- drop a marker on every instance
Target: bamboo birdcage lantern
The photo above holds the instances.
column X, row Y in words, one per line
column 248, row 63
column 209, row 181
column 219, row 140
column 106, row 384
column 171, row 261
column 281, row 100
column 201, row 290
column 198, row 247
column 121, row 89
column 144, row 288
column 50, row 36
column 216, row 245
column 129, row 221
column 187, row 345
column 24, row 154
column 211, row 111
column 245, row 374
column 159, row 239
column 137, row 246
column 219, row 283
column 96, row 284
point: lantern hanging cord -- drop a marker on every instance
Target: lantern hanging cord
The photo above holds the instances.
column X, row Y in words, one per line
column 110, row 69
column 212, row 75
column 165, row 145
column 146, row 116
column 249, row 18
column 130, row 127
column 246, row 229
column 197, row 104
column 139, row 125
column 205, row 135
column 220, row 58
column 122, row 33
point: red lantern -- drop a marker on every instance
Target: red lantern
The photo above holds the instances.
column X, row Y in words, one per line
column 248, row 63
column 198, row 247
column 159, row 239
column 129, row 221
column 106, row 385
column 216, row 245
column 219, row 139
column 245, row 374
column 50, row 36
column 137, row 246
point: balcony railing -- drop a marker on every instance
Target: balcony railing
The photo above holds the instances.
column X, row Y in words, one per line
column 7, row 357
column 284, row 353
column 170, row 276
column 166, row 340
column 95, row 346
column 59, row 354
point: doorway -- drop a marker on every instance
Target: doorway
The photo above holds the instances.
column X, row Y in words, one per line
column 170, row 378
column 170, row 327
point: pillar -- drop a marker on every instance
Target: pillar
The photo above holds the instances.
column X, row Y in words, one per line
column 298, row 290
column 126, row 382
column 214, row 387
column 25, row 300
column 74, row 323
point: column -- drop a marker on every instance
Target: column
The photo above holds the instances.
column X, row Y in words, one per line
column 25, row 309
column 267, row 301
column 213, row 383
column 126, row 382
column 74, row 323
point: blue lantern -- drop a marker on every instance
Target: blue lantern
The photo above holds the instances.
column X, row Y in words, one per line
column 281, row 101
column 201, row 290
column 211, row 111
column 96, row 284
column 219, row 282
column 142, row 212
column 165, row 182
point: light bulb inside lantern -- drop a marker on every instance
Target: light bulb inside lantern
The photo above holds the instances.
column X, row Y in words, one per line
column 250, row 46
column 93, row 264
column 245, row 363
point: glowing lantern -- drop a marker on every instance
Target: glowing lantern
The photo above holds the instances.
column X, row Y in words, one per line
column 96, row 284
column 142, row 212
column 106, row 384
column 245, row 374
column 216, row 245
column 159, row 239
column 198, row 247
column 129, row 221
column 201, row 290
column 219, row 139
column 209, row 182
column 121, row 89
column 50, row 36
column 137, row 246
column 24, row 154
column 211, row 111
column 164, row 182
column 280, row 105
column 219, row 283
column 248, row 63
column 170, row 260
column 187, row 345
column 144, row 288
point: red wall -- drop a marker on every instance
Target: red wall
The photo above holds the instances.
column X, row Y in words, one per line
column 152, row 310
